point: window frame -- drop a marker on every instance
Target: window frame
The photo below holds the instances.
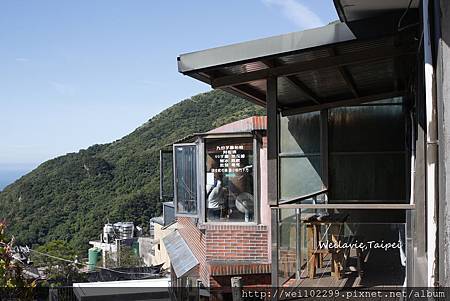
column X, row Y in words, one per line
column 322, row 155
column 175, row 190
column 257, row 143
column 295, row 202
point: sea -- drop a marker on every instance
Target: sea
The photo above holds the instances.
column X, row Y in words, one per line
column 9, row 173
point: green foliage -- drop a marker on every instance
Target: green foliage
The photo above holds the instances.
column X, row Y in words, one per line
column 127, row 259
column 70, row 197
column 11, row 275
column 58, row 272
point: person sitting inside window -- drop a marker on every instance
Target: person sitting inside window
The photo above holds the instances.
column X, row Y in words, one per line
column 215, row 197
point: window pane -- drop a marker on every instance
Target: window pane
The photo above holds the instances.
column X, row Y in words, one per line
column 371, row 247
column 288, row 244
column 167, row 176
column 367, row 177
column 229, row 179
column 300, row 133
column 300, row 176
column 367, row 128
column 186, row 179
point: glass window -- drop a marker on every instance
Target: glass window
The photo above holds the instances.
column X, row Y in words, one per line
column 300, row 176
column 229, row 179
column 185, row 179
column 367, row 178
column 342, row 248
column 287, row 251
column 300, row 133
column 166, row 180
column 300, row 160
column 371, row 166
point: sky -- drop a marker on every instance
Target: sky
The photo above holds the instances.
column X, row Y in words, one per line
column 77, row 73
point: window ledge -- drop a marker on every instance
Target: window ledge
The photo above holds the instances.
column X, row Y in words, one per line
column 232, row 226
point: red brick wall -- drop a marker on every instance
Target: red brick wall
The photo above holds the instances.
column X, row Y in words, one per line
column 287, row 263
column 224, row 242
column 196, row 241
column 237, row 242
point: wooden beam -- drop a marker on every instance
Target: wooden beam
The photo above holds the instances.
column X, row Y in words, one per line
column 340, row 103
column 249, row 93
column 354, row 204
column 357, row 57
column 345, row 75
column 301, row 198
column 244, row 91
column 324, row 150
column 294, row 81
column 275, row 246
column 273, row 140
column 302, row 87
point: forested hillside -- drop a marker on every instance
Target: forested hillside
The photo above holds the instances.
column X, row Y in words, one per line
column 70, row 197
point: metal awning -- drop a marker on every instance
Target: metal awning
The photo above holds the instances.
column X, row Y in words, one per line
column 350, row 10
column 318, row 68
column 181, row 256
column 286, row 43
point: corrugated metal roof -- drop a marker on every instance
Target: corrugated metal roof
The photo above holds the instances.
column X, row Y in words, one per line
column 254, row 123
column 320, row 68
column 316, row 69
column 266, row 47
column 250, row 124
column 181, row 256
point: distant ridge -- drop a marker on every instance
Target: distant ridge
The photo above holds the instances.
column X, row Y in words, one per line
column 70, row 197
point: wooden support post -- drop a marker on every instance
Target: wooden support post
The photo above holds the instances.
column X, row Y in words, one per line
column 236, row 287
column 272, row 136
column 311, row 254
column 336, row 255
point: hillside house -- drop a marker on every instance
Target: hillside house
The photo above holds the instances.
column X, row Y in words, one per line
column 357, row 142
column 223, row 218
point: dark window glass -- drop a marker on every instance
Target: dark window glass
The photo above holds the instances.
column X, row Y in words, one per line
column 167, row 176
column 229, row 180
column 300, row 134
column 367, row 153
column 186, row 179
column 300, row 160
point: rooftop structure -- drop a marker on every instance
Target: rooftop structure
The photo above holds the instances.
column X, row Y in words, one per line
column 223, row 219
column 352, row 141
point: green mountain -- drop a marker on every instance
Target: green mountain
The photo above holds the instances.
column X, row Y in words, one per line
column 72, row 196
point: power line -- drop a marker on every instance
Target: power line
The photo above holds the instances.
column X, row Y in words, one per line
column 84, row 264
column 102, row 268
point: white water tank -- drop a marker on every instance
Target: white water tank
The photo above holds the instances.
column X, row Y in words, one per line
column 124, row 230
column 108, row 233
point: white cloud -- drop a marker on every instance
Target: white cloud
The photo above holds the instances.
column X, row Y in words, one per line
column 297, row 13
column 62, row 88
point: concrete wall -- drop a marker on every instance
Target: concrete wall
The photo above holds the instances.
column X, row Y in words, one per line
column 443, row 100
column 161, row 255
column 145, row 246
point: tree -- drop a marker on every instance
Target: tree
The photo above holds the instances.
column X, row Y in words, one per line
column 58, row 260
column 11, row 271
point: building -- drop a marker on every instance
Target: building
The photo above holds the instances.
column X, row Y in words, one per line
column 144, row 289
column 223, row 218
column 357, row 142
column 161, row 227
column 107, row 247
